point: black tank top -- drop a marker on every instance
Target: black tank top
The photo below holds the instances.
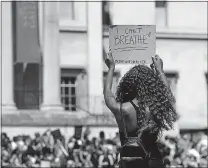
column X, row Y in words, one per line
column 148, row 139
column 130, row 134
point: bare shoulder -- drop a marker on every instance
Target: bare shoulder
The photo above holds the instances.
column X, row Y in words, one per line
column 126, row 108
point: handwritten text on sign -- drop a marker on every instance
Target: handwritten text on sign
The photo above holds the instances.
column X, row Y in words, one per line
column 132, row 44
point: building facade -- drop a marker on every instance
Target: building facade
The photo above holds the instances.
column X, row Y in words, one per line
column 52, row 59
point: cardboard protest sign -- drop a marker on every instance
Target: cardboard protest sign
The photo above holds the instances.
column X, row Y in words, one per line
column 56, row 134
column 45, row 163
column 132, row 44
column 78, row 132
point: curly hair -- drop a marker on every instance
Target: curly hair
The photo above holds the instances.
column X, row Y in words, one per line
column 142, row 83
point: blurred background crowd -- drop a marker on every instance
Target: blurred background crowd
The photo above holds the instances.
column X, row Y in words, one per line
column 51, row 149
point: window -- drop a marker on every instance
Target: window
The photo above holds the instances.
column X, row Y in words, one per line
column 106, row 15
column 161, row 13
column 72, row 15
column 28, row 85
column 67, row 10
column 68, row 92
column 27, row 63
column 74, row 92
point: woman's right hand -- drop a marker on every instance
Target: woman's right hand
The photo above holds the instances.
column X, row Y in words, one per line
column 109, row 60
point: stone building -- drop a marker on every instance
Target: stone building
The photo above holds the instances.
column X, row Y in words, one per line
column 53, row 69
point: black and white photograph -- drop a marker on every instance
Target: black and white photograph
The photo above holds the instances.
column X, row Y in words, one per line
column 104, row 84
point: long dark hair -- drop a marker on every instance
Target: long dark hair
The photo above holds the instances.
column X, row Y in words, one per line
column 143, row 83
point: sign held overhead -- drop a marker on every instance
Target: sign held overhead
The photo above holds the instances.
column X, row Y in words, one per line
column 132, row 44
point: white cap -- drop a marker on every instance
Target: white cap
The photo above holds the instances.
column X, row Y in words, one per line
column 195, row 153
column 202, row 143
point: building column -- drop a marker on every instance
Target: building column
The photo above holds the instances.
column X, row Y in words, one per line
column 51, row 56
column 95, row 57
column 7, row 58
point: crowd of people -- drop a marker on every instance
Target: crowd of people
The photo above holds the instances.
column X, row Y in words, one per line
column 47, row 150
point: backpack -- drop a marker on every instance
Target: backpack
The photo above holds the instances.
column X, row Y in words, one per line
column 137, row 161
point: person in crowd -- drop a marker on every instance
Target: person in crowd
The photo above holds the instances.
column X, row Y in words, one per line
column 170, row 142
column 5, row 156
column 4, row 139
column 86, row 136
column 76, row 156
column 116, row 139
column 94, row 153
column 192, row 159
column 14, row 143
column 95, row 142
column 85, row 156
column 202, row 147
column 203, row 162
column 28, row 155
column 71, row 164
column 102, row 137
column 147, row 103
column 106, row 159
column 176, row 162
column 16, row 157
column 56, row 162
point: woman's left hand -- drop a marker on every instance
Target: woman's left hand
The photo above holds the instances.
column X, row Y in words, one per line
column 157, row 64
column 109, row 60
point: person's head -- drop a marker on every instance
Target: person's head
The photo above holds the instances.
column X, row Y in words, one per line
column 3, row 135
column 6, row 140
column 202, row 147
column 70, row 163
column 171, row 142
column 57, row 162
column 28, row 141
column 89, row 148
column 102, row 135
column 141, row 83
column 164, row 149
column 95, row 142
column 192, row 158
column 37, row 137
column 37, row 134
column 105, row 149
column 186, row 137
column 5, row 156
column 19, row 138
column 85, row 136
column 48, row 132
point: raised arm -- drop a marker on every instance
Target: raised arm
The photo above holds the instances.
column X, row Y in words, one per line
column 158, row 65
column 109, row 97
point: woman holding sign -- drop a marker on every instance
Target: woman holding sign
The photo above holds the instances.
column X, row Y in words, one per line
column 143, row 107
